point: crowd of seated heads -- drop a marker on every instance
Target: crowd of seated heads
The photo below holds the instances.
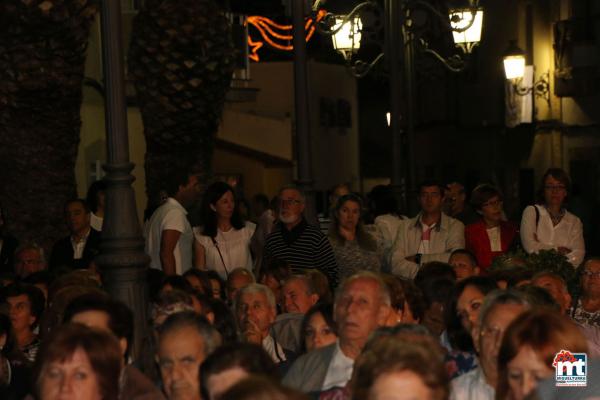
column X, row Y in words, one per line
column 454, row 326
column 472, row 313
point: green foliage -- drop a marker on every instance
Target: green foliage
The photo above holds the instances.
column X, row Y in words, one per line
column 544, row 260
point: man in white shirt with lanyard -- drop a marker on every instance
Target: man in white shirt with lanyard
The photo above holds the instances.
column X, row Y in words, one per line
column 430, row 236
column 169, row 236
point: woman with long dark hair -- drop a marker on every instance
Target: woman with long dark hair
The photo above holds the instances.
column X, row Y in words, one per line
column 355, row 248
column 548, row 225
column 223, row 241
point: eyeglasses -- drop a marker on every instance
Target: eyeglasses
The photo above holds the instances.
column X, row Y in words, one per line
column 430, row 195
column 555, row 188
column 289, row 202
column 492, row 332
column 591, row 274
column 494, row 203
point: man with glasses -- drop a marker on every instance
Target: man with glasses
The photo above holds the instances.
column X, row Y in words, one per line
column 430, row 236
column 499, row 309
column 293, row 240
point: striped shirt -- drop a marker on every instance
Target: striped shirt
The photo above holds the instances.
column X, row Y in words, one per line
column 309, row 249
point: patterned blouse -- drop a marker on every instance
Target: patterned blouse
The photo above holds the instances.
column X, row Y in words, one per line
column 30, row 351
column 351, row 258
column 585, row 317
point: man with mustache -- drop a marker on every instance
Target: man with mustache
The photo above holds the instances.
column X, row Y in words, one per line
column 184, row 341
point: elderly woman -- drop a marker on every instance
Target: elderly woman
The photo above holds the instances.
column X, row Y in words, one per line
column 586, row 310
column 528, row 349
column 392, row 368
column 80, row 363
column 223, row 242
column 548, row 225
column 355, row 249
column 491, row 236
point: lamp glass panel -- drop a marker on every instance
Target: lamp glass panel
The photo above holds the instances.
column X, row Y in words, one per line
column 514, row 67
column 348, row 37
column 473, row 33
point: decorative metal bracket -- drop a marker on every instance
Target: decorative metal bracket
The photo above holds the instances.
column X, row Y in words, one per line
column 540, row 88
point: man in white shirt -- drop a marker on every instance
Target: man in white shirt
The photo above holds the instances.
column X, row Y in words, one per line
column 362, row 305
column 430, row 236
column 78, row 250
column 169, row 235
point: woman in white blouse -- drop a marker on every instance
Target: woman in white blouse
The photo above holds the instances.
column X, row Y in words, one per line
column 223, row 241
column 548, row 225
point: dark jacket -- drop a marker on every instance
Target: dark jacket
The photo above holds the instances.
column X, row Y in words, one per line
column 62, row 253
column 308, row 372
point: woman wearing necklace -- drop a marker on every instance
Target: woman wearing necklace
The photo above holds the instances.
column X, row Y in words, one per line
column 548, row 225
column 223, row 242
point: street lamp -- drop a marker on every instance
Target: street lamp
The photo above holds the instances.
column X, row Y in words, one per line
column 346, row 38
column 466, row 27
column 514, row 70
column 403, row 37
column 514, row 61
column 464, row 23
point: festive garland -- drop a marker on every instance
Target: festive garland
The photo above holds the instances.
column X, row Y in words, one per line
column 276, row 35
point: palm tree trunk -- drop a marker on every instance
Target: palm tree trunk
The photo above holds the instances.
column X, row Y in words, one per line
column 42, row 57
column 181, row 59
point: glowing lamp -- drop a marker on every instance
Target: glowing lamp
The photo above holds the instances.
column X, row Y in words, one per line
column 466, row 27
column 514, row 62
column 347, row 39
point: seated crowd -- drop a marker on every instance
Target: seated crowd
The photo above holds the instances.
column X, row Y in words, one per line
column 400, row 308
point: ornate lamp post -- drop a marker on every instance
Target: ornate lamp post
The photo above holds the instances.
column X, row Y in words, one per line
column 403, row 40
column 514, row 70
column 122, row 260
column 301, row 115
